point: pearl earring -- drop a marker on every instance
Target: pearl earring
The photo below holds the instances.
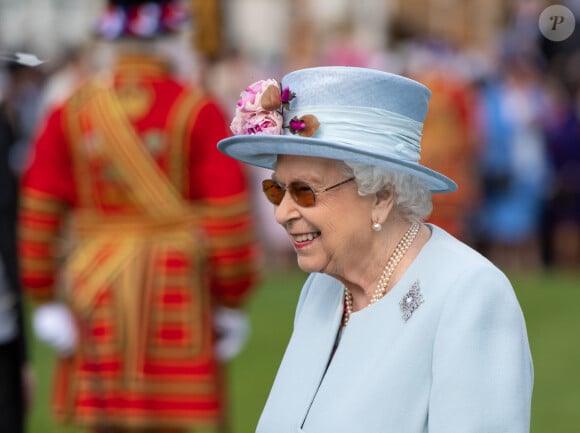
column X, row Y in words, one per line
column 377, row 227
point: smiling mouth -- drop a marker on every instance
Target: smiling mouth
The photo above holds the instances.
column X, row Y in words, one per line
column 306, row 237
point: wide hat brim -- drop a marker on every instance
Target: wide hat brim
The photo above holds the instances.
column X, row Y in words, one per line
column 262, row 151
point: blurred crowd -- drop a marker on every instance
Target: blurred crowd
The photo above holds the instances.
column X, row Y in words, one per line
column 504, row 123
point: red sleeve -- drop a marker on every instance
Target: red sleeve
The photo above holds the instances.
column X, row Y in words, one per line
column 220, row 184
column 213, row 173
column 49, row 164
column 47, row 187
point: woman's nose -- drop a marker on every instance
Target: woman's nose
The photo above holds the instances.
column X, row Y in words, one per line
column 286, row 210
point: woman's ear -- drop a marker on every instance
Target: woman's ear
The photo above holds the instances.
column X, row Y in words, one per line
column 383, row 205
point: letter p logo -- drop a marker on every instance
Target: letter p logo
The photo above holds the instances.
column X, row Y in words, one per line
column 557, row 23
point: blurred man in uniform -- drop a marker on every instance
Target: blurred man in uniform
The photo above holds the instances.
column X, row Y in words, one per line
column 142, row 294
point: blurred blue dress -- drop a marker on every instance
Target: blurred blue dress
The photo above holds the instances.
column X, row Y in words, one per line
column 514, row 163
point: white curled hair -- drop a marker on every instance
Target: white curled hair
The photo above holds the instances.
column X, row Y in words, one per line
column 412, row 196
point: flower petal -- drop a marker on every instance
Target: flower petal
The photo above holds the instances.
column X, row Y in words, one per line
column 271, row 98
column 287, row 95
column 296, row 125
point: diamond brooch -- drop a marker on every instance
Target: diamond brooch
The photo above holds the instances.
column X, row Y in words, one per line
column 411, row 301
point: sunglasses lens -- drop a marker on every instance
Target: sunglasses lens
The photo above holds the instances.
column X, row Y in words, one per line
column 302, row 193
column 273, row 191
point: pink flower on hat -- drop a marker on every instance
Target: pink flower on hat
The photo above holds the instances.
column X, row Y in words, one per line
column 259, row 111
column 259, row 122
column 287, row 96
column 251, row 98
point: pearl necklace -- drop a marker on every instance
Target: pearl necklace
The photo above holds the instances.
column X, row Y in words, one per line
column 402, row 247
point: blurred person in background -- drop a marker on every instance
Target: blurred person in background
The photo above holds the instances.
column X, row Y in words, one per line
column 15, row 378
column 137, row 238
column 342, row 49
column 560, row 223
column 513, row 161
column 400, row 327
column 448, row 143
column 25, row 92
column 560, row 231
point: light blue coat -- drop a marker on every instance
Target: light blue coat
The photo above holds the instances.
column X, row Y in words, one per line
column 460, row 364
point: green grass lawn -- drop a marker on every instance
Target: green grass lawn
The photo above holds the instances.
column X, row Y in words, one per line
column 551, row 304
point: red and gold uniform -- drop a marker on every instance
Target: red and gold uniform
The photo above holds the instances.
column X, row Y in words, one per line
column 448, row 146
column 158, row 232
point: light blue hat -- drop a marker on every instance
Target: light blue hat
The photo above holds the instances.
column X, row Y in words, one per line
column 360, row 115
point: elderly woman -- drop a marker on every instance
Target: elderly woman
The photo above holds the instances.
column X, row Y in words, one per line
column 400, row 327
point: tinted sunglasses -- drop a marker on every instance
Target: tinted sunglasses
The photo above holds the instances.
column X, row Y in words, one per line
column 301, row 192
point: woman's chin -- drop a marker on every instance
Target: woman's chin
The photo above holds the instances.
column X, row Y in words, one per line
column 308, row 265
